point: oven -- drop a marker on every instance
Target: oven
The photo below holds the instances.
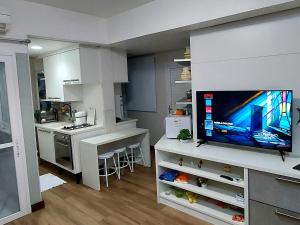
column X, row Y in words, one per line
column 63, row 150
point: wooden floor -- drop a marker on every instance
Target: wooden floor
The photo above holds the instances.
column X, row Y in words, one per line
column 131, row 201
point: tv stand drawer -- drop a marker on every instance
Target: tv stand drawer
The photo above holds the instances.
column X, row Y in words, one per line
column 262, row 214
column 275, row 190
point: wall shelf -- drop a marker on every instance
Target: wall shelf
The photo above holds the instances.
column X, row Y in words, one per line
column 224, row 214
column 183, row 62
column 183, row 81
column 183, row 101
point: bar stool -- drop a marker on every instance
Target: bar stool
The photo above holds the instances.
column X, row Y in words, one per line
column 136, row 158
column 106, row 156
column 125, row 161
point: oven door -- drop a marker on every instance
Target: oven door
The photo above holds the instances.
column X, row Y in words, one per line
column 63, row 150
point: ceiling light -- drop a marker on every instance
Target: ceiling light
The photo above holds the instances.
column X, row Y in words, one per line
column 36, row 47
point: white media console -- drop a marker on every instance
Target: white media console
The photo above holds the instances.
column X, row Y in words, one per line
column 249, row 170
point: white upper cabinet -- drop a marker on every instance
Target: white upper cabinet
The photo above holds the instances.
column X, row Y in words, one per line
column 66, row 70
column 119, row 63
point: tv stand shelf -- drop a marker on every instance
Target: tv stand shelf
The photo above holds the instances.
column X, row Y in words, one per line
column 214, row 158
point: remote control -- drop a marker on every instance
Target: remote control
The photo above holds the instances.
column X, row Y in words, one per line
column 226, row 177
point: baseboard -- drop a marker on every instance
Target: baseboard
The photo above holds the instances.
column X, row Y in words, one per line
column 38, row 206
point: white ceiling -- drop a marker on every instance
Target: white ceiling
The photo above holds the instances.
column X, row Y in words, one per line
column 100, row 8
column 48, row 46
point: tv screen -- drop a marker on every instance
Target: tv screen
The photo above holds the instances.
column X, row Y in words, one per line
column 260, row 119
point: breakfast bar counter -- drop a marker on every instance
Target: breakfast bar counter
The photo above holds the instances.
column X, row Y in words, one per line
column 90, row 149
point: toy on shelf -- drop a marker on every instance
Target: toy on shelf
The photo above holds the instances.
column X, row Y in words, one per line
column 227, row 168
column 180, row 162
column 201, row 182
column 182, row 178
column 200, row 164
column 191, row 197
column 239, row 197
column 179, row 193
column 238, row 218
column 168, row 175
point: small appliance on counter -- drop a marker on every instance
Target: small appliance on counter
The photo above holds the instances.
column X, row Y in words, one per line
column 80, row 118
column 176, row 123
column 46, row 116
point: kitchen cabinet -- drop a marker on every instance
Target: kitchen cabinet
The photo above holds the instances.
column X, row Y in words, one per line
column 119, row 63
column 46, row 145
column 67, row 70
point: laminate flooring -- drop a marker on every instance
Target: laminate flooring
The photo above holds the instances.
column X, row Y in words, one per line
column 130, row 201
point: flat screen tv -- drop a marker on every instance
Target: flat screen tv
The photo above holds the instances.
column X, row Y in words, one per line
column 260, row 119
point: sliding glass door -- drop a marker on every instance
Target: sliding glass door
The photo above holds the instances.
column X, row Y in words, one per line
column 13, row 198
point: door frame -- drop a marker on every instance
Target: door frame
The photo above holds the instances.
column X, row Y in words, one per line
column 8, row 56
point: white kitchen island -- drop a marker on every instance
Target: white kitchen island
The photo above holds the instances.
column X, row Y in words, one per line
column 92, row 147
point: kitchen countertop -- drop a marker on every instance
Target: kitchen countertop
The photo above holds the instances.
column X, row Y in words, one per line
column 57, row 127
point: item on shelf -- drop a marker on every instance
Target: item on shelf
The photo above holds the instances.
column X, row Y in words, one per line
column 187, row 53
column 179, row 193
column 227, row 177
column 240, row 197
column 227, row 168
column 188, row 94
column 182, row 178
column 238, row 179
column 297, row 167
column 222, row 204
column 200, row 164
column 192, row 198
column 168, row 192
column 168, row 175
column 238, row 218
column 201, row 182
column 184, row 135
column 180, row 112
column 186, row 73
column 180, row 161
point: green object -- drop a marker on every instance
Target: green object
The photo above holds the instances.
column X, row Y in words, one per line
column 179, row 193
column 184, row 134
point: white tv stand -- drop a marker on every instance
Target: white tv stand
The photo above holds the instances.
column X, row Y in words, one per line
column 168, row 153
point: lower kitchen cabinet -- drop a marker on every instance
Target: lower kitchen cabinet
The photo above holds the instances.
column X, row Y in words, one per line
column 46, row 145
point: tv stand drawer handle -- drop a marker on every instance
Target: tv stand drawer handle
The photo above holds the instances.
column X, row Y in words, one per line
column 288, row 180
column 277, row 212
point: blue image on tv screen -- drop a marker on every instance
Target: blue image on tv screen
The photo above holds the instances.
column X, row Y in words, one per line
column 252, row 118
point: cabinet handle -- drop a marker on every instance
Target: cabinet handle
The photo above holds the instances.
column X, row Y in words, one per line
column 277, row 212
column 73, row 80
column 288, row 180
column 45, row 131
column 53, row 98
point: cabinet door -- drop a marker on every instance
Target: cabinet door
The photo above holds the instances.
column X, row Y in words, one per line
column 46, row 145
column 90, row 65
column 119, row 62
column 54, row 85
column 70, row 66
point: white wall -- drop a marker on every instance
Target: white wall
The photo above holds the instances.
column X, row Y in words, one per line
column 91, row 97
column 154, row 121
column 163, row 15
column 260, row 53
column 45, row 21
